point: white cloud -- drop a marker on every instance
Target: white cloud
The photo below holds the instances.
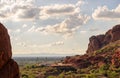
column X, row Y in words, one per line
column 19, row 10
column 21, row 44
column 58, row 43
column 83, row 31
column 14, row 31
column 24, row 26
column 32, row 29
column 17, row 30
column 27, row 10
column 4, row 11
column 66, row 27
column 80, row 2
column 70, row 13
column 105, row 14
column 69, row 25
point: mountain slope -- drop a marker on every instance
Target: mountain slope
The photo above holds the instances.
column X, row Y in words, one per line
column 102, row 57
column 99, row 41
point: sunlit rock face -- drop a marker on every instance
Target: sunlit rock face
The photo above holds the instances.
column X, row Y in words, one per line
column 102, row 50
column 8, row 67
column 99, row 41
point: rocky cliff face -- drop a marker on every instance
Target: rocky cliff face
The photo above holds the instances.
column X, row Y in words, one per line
column 99, row 41
column 102, row 50
column 8, row 67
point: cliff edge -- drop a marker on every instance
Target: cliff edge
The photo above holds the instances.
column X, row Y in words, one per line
column 99, row 41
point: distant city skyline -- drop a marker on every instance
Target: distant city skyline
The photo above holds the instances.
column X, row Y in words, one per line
column 56, row 26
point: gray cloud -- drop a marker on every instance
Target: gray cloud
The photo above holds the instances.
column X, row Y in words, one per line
column 28, row 13
column 58, row 10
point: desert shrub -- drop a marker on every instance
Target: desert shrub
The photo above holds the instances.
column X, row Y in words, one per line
column 70, row 72
column 28, row 66
column 24, row 76
column 110, row 47
column 118, row 69
column 92, row 71
column 112, row 74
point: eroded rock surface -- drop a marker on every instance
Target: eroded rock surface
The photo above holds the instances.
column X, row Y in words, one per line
column 99, row 41
column 102, row 50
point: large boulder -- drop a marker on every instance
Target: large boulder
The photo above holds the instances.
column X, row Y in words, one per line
column 99, row 41
column 8, row 67
column 10, row 70
column 5, row 47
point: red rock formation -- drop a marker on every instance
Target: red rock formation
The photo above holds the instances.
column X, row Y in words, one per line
column 8, row 67
column 10, row 70
column 5, row 47
column 97, row 42
column 108, row 55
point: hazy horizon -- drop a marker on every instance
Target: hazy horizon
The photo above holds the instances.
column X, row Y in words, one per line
column 42, row 55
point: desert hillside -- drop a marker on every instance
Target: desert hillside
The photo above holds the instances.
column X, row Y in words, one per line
column 101, row 50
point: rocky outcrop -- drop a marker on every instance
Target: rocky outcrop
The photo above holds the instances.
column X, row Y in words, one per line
column 99, row 41
column 102, row 50
column 8, row 67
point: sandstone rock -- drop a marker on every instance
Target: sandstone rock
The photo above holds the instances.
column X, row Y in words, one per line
column 110, row 54
column 94, row 44
column 115, row 33
column 10, row 70
column 5, row 47
column 8, row 67
column 99, row 41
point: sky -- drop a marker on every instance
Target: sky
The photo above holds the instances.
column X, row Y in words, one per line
column 56, row 26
